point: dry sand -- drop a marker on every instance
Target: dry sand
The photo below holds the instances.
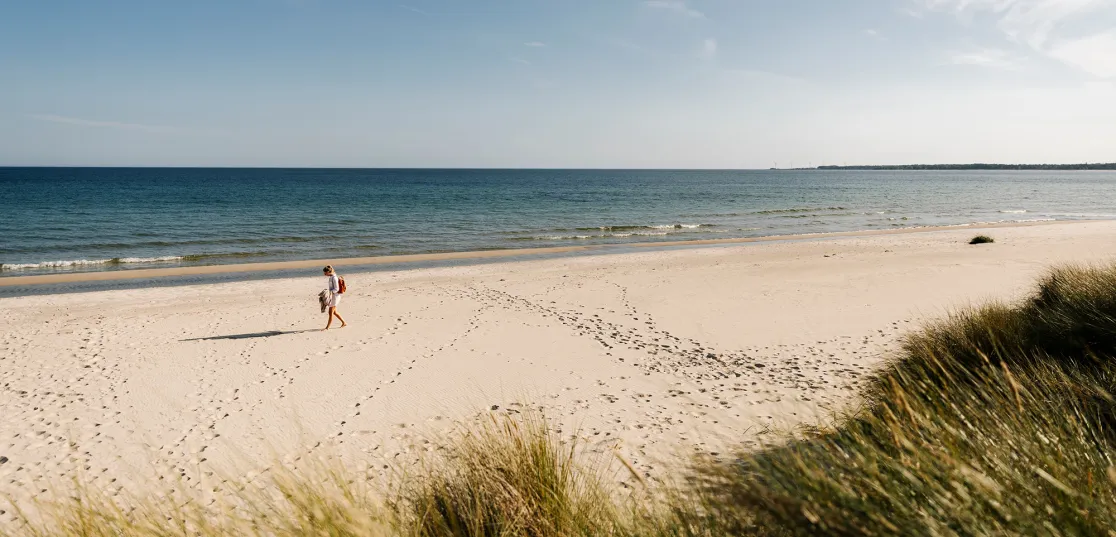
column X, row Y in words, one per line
column 655, row 354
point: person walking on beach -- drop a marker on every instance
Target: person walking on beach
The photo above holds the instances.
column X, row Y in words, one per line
column 334, row 297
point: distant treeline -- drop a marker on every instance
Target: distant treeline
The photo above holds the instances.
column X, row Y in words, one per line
column 1108, row 166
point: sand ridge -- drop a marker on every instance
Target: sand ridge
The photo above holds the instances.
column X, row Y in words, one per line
column 651, row 354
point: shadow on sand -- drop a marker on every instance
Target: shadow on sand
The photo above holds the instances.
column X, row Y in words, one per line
column 255, row 335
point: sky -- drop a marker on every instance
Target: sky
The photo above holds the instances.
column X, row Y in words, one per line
column 556, row 83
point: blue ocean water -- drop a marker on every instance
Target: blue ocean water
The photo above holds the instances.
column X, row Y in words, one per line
column 82, row 219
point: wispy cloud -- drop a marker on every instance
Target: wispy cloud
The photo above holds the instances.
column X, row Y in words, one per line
column 874, row 34
column 912, row 12
column 709, row 49
column 1048, row 27
column 51, row 118
column 677, row 6
column 414, row 9
column 1027, row 21
column 988, row 57
column 519, row 60
column 1095, row 54
column 535, row 44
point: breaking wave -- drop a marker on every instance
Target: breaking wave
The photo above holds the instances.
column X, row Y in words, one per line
column 801, row 210
column 640, row 228
column 619, row 232
column 88, row 262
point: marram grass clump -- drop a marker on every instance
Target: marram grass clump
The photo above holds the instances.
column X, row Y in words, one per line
column 1068, row 322
column 997, row 420
column 509, row 476
column 982, row 239
column 1021, row 454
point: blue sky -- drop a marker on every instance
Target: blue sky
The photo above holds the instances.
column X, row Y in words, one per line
column 556, row 83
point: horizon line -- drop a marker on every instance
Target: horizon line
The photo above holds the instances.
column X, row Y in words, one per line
column 573, row 168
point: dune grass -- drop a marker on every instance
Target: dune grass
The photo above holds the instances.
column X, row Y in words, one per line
column 982, row 239
column 997, row 420
column 509, row 476
column 322, row 501
column 1002, row 453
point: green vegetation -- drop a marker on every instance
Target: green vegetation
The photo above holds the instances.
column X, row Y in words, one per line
column 509, row 477
column 982, row 239
column 979, row 166
column 995, row 421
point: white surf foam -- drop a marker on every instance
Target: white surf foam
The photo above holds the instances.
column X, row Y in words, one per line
column 83, row 262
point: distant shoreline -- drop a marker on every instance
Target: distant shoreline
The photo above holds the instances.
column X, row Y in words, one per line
column 1012, row 167
column 978, row 166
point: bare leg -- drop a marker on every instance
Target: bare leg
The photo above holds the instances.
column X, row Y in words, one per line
column 339, row 318
column 329, row 320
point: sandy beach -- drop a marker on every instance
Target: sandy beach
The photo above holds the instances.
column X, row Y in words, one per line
column 655, row 354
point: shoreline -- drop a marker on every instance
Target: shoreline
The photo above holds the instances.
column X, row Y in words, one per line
column 479, row 255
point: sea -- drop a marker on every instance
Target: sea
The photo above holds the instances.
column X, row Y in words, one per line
column 64, row 220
